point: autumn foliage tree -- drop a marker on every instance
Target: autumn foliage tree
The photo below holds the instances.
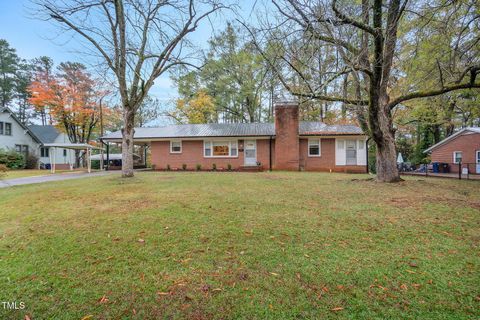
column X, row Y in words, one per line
column 198, row 109
column 71, row 97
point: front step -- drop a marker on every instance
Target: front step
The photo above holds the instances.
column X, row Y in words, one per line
column 250, row 168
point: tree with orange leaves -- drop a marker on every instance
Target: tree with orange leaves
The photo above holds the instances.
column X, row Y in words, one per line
column 72, row 100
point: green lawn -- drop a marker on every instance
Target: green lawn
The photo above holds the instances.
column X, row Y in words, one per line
column 241, row 246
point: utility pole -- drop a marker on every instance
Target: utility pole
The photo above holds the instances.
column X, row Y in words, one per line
column 101, row 132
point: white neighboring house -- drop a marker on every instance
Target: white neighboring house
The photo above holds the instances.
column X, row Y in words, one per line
column 64, row 158
column 16, row 136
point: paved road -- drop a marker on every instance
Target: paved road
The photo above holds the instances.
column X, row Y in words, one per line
column 51, row 177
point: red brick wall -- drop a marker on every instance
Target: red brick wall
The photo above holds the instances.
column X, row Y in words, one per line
column 468, row 143
column 286, row 137
column 192, row 154
column 326, row 161
column 62, row 166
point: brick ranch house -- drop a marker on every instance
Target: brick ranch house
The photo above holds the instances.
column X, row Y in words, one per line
column 288, row 144
column 461, row 147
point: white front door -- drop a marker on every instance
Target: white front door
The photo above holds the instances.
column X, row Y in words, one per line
column 250, row 147
column 478, row 161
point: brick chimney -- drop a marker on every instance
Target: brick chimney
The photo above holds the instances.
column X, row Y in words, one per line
column 286, row 136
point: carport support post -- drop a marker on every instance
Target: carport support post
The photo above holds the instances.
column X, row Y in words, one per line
column 108, row 156
column 54, row 158
column 145, row 155
column 89, row 163
column 50, row 158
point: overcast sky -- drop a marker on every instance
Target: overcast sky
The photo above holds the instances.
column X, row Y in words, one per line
column 33, row 38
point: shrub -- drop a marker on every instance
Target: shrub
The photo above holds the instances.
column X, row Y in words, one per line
column 184, row 166
column 168, row 167
column 229, row 167
column 31, row 162
column 3, row 171
column 214, row 167
column 198, row 167
column 12, row 159
column 95, row 164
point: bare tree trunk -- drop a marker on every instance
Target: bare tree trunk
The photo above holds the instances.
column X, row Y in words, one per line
column 384, row 137
column 127, row 142
column 386, row 165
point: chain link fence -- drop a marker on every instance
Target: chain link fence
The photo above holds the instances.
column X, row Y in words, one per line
column 469, row 171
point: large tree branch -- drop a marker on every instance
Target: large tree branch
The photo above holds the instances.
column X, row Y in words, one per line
column 431, row 93
column 308, row 26
column 349, row 20
column 57, row 16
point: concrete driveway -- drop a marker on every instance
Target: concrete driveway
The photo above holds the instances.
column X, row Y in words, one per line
column 52, row 177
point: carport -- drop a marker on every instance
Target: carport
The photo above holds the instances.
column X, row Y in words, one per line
column 73, row 146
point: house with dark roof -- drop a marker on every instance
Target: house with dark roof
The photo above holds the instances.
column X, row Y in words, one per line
column 64, row 158
column 460, row 150
column 14, row 135
column 287, row 144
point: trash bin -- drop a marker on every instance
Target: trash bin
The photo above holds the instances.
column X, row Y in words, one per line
column 436, row 167
column 444, row 168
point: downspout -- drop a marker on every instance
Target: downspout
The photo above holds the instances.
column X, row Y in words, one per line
column 366, row 150
column 270, row 154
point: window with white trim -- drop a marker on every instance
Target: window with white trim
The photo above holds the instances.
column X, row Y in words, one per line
column 8, row 129
column 314, row 147
column 361, row 144
column 220, row 149
column 457, row 156
column 478, row 156
column 175, row 146
column 44, row 152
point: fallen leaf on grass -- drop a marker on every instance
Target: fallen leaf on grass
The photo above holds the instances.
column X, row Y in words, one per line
column 103, row 299
column 163, row 293
column 337, row 309
column 141, row 241
column 27, row 317
column 410, row 271
column 274, row 274
column 403, row 287
column 90, row 316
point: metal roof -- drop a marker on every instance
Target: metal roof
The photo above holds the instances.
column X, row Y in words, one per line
column 75, row 146
column 233, row 130
column 111, row 156
column 46, row 134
